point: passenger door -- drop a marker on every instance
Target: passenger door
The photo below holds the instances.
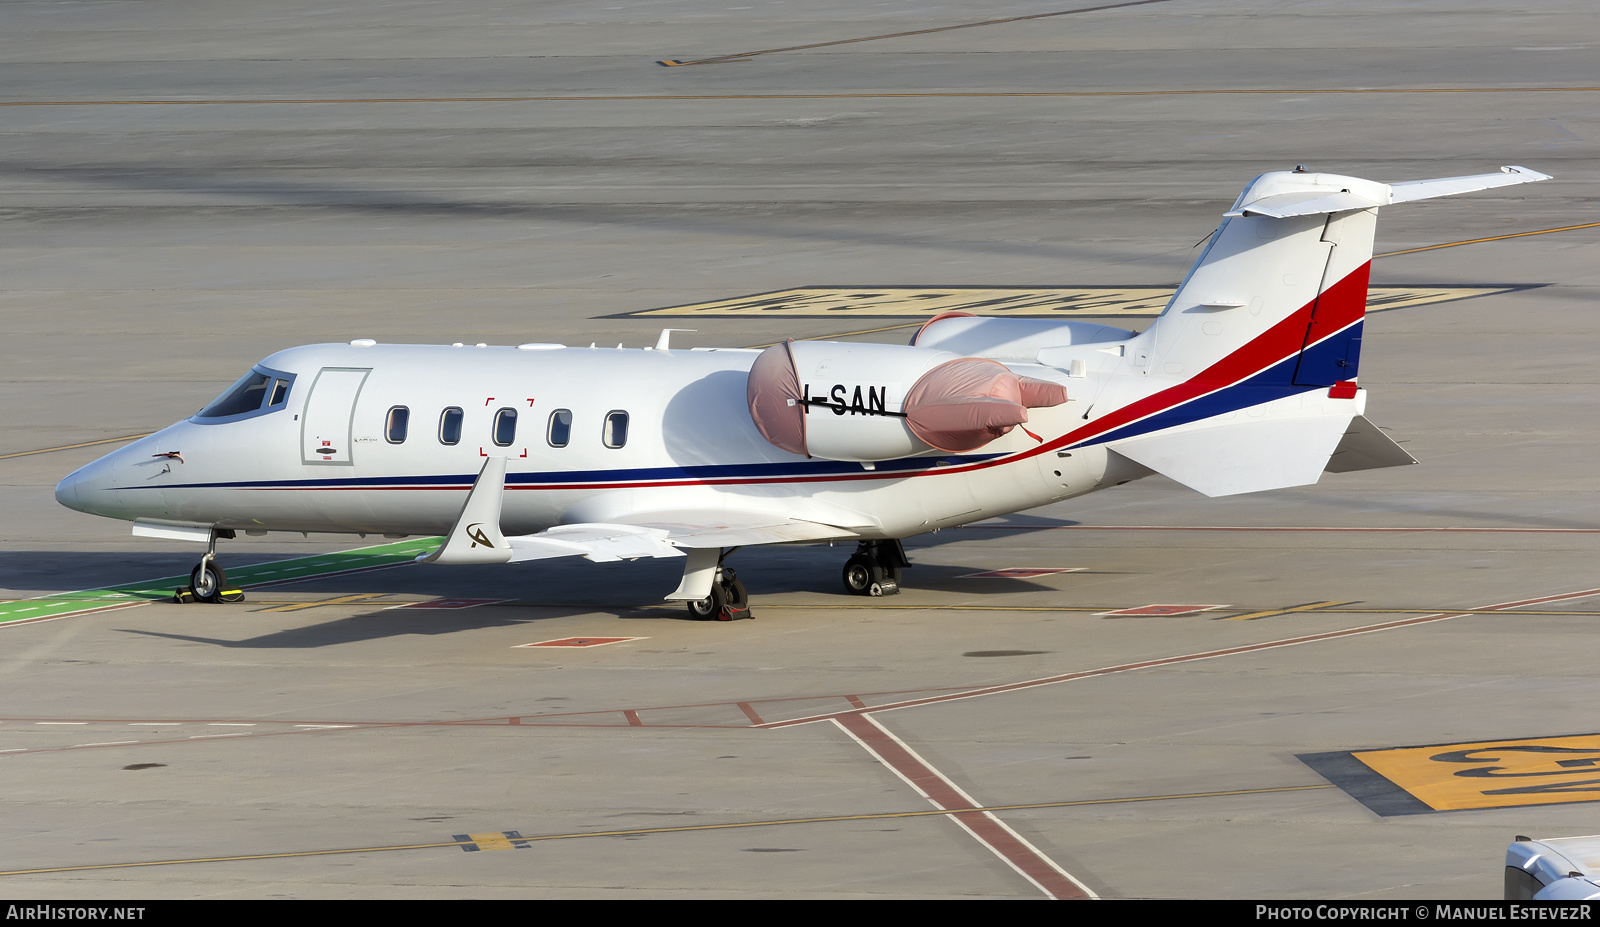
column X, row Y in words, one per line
column 325, row 426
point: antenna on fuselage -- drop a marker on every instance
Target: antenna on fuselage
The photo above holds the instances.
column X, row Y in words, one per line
column 666, row 336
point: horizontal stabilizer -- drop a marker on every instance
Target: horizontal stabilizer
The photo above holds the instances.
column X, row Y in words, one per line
column 1282, row 194
column 1284, row 205
column 1233, row 457
column 1447, row 186
column 1365, row 447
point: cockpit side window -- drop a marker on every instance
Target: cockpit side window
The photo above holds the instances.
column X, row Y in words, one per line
column 256, row 393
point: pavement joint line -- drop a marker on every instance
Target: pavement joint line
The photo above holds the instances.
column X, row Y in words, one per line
column 864, row 95
column 685, row 828
column 741, row 56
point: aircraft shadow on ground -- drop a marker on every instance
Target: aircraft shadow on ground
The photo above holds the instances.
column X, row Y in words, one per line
column 386, row 623
column 771, row 569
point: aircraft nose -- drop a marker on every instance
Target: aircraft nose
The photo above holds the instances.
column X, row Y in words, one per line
column 67, row 492
column 87, row 489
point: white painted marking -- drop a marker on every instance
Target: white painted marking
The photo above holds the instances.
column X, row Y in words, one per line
column 230, row 724
column 14, row 750
column 203, row 736
column 154, row 723
column 60, row 722
column 323, row 727
column 108, row 743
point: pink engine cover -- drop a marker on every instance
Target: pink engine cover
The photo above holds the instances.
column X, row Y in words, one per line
column 964, row 404
column 956, row 406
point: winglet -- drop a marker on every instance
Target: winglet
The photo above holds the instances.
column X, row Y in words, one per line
column 476, row 537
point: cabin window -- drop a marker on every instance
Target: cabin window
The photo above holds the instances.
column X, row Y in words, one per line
column 560, row 428
column 395, row 426
column 450, row 426
column 505, row 427
column 616, row 430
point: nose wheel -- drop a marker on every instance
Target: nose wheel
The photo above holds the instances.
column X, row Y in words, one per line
column 208, row 582
column 874, row 569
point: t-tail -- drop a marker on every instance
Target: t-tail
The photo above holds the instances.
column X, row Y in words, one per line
column 1269, row 323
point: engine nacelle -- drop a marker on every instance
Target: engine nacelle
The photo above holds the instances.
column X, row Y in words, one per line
column 869, row 402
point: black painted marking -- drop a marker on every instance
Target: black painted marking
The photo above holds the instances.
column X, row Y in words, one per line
column 1361, row 782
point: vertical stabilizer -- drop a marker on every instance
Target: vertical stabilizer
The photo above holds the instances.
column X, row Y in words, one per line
column 1280, row 293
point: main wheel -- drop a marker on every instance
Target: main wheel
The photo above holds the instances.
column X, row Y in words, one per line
column 207, row 581
column 863, row 576
column 738, row 600
column 710, row 607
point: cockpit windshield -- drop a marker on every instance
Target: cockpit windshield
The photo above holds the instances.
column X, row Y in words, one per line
column 256, row 393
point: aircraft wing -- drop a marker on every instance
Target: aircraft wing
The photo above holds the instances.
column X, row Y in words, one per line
column 663, row 534
column 725, row 528
column 476, row 536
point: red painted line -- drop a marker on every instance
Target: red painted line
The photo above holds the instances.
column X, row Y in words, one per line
column 633, row 718
column 1273, row 528
column 946, row 796
column 855, row 701
column 72, row 614
column 750, row 713
column 1191, row 657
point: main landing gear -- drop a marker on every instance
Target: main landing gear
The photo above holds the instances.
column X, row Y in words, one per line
column 874, row 569
column 208, row 582
column 728, row 600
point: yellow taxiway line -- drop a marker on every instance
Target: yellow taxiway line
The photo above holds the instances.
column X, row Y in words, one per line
column 68, row 447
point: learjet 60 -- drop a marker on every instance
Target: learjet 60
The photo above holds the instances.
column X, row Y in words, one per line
column 1247, row 381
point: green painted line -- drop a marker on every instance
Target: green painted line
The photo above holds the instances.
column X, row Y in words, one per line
column 244, row 577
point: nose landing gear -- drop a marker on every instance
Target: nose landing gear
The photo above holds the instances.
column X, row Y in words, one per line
column 208, row 582
column 874, row 569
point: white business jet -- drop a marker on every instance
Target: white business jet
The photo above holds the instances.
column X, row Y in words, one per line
column 1246, row 382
